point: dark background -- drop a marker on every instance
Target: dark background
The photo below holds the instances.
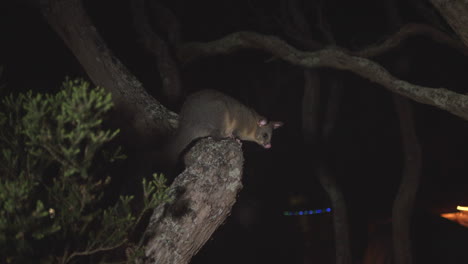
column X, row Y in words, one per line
column 366, row 145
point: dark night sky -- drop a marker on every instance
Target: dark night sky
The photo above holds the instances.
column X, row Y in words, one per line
column 366, row 144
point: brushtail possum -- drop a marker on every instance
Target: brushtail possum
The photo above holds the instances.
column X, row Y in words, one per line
column 209, row 113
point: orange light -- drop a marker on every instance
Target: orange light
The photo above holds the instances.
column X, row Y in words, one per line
column 450, row 216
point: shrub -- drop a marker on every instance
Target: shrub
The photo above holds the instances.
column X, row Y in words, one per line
column 53, row 160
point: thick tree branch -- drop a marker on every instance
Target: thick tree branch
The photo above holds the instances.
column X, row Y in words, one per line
column 333, row 58
column 205, row 193
column 142, row 113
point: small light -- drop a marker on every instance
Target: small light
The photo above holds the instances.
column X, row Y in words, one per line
column 51, row 212
column 306, row 212
column 462, row 208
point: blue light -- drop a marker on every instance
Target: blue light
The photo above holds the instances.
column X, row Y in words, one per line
column 306, row 212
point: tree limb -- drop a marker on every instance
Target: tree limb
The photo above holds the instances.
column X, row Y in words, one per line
column 331, row 57
column 340, row 221
column 204, row 194
column 407, row 31
column 403, row 205
column 143, row 114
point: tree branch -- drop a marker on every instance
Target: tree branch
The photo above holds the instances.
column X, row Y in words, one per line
column 329, row 57
column 94, row 251
column 204, row 195
column 407, row 31
column 144, row 117
column 340, row 220
column 403, row 205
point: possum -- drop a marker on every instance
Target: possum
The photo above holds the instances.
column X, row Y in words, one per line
column 209, row 113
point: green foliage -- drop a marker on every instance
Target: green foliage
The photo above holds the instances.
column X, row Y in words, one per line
column 52, row 151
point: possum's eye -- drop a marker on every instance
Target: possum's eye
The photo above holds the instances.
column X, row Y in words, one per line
column 265, row 135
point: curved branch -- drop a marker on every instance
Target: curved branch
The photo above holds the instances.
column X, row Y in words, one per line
column 331, row 57
column 410, row 30
column 94, row 251
column 403, row 204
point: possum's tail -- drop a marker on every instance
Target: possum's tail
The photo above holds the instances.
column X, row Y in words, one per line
column 182, row 141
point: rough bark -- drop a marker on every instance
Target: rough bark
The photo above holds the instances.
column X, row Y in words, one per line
column 204, row 194
column 146, row 117
column 331, row 57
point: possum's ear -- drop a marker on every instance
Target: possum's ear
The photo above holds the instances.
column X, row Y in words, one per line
column 277, row 124
column 262, row 122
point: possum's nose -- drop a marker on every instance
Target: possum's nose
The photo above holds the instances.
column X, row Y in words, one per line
column 267, row 146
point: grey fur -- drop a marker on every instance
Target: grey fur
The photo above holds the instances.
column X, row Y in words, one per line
column 209, row 113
